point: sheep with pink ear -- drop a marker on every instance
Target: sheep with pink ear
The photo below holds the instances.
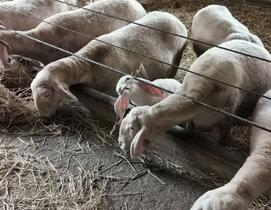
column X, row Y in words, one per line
column 51, row 85
column 147, row 122
column 83, row 21
column 140, row 93
column 11, row 12
column 215, row 24
column 224, row 66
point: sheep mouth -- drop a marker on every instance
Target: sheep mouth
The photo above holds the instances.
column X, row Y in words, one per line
column 123, row 90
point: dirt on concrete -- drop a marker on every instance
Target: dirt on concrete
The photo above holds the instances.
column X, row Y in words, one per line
column 71, row 162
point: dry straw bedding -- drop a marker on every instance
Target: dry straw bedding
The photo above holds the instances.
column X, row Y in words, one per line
column 15, row 109
column 27, row 181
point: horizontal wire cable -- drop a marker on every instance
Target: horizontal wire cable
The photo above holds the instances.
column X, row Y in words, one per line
column 142, row 81
column 138, row 79
column 166, row 32
column 151, row 58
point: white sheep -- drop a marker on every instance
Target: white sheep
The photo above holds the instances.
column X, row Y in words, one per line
column 225, row 66
column 140, row 93
column 51, row 85
column 147, row 122
column 80, row 20
column 215, row 24
column 11, row 18
column 253, row 178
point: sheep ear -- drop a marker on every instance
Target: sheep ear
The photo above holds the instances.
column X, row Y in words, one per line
column 148, row 88
column 66, row 92
column 46, row 93
column 137, row 145
column 121, row 105
column 152, row 90
column 141, row 70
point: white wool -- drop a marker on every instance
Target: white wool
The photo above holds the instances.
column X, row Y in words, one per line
column 51, row 85
column 139, row 96
column 79, row 20
column 215, row 24
column 11, row 18
column 147, row 122
column 221, row 65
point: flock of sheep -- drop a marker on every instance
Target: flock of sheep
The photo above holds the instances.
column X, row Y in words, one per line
column 112, row 41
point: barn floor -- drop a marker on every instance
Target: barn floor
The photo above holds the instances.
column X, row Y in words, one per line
column 71, row 162
column 60, row 173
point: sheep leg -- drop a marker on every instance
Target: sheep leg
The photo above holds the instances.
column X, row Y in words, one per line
column 252, row 179
column 46, row 33
column 154, row 120
column 172, row 111
column 225, row 130
column 19, row 43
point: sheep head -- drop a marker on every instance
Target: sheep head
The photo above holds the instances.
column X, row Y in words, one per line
column 125, row 87
column 48, row 93
column 134, row 129
column 130, row 89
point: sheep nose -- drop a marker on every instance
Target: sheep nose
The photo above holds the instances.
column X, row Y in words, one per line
column 121, row 90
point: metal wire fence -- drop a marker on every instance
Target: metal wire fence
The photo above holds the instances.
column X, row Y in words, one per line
column 121, row 73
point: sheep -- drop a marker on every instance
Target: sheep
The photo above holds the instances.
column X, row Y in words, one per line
column 80, row 20
column 11, row 18
column 51, row 85
column 146, row 122
column 215, row 24
column 215, row 63
column 141, row 93
column 253, row 178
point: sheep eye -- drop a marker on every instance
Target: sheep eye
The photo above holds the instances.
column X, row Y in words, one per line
column 127, row 79
column 131, row 128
